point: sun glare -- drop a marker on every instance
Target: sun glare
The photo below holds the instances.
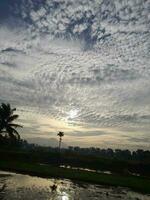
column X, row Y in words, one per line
column 65, row 196
column 72, row 114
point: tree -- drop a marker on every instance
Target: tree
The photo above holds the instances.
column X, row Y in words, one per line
column 7, row 127
column 60, row 134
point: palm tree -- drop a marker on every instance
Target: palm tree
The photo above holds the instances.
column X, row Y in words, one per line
column 7, row 117
column 60, row 134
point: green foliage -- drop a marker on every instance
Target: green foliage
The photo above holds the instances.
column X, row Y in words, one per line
column 136, row 183
column 23, row 153
column 7, row 127
column 60, row 134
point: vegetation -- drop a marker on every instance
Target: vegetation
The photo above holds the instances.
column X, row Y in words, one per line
column 43, row 161
column 60, row 134
column 18, row 155
column 120, row 154
column 7, row 127
column 24, row 152
column 136, row 183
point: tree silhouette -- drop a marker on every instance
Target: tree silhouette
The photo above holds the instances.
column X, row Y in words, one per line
column 60, row 134
column 7, row 126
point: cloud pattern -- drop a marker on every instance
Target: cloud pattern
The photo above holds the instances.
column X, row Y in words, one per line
column 91, row 57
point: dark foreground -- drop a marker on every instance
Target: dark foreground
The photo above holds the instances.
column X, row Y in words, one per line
column 139, row 184
column 26, row 187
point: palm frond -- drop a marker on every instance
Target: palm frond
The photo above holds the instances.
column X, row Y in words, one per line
column 12, row 117
column 16, row 133
column 6, row 119
column 12, row 133
column 60, row 134
column 6, row 108
column 15, row 125
column 12, row 110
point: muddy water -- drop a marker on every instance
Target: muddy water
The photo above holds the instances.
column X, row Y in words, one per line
column 16, row 186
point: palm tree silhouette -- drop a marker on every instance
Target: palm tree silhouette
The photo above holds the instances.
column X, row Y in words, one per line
column 7, row 117
column 60, row 134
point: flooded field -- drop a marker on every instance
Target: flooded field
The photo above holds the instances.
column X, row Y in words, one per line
column 16, row 186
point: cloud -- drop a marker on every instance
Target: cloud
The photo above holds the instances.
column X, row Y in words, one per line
column 91, row 21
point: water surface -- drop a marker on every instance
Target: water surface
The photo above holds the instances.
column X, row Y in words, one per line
column 25, row 187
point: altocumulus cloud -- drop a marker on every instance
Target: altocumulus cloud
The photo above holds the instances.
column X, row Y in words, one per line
column 91, row 58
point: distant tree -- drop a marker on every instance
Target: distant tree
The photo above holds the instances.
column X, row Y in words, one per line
column 70, row 148
column 60, row 134
column 109, row 152
column 76, row 148
column 7, row 127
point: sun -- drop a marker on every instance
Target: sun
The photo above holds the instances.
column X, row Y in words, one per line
column 72, row 114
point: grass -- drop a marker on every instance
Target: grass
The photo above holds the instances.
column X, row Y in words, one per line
column 138, row 184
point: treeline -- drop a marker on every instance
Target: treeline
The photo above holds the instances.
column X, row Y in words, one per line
column 126, row 154
column 138, row 155
column 116, row 161
column 7, row 142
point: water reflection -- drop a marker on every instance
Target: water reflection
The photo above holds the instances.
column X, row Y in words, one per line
column 65, row 196
column 24, row 187
column 85, row 169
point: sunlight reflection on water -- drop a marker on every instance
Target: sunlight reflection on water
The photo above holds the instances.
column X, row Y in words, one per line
column 65, row 196
column 24, row 187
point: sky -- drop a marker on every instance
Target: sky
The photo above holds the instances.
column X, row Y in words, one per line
column 81, row 67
